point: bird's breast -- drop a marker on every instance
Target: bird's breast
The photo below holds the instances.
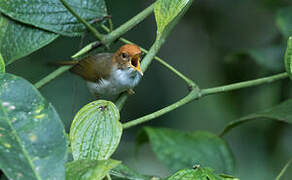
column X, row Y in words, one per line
column 117, row 82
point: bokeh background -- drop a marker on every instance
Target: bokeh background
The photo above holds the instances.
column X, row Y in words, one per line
column 212, row 45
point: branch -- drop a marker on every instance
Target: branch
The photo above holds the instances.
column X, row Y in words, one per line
column 51, row 76
column 115, row 34
column 111, row 25
column 86, row 49
column 97, row 34
column 108, row 177
column 244, row 84
column 284, row 169
column 191, row 96
column 196, row 94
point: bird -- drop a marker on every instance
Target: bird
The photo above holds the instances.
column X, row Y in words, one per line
column 109, row 74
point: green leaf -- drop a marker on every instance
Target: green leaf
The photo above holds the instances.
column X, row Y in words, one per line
column 168, row 12
column 89, row 169
column 122, row 172
column 32, row 136
column 53, row 16
column 281, row 112
column 288, row 57
column 18, row 40
column 198, row 174
column 284, row 20
column 269, row 57
column 178, row 150
column 2, row 64
column 96, row 131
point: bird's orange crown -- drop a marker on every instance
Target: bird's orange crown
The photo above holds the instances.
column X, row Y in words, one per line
column 131, row 49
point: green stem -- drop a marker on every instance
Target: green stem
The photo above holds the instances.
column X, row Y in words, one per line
column 86, row 49
column 284, row 169
column 121, row 101
column 111, row 25
column 196, row 94
column 244, row 84
column 191, row 96
column 179, row 74
column 51, row 76
column 151, row 54
column 91, row 28
column 108, row 177
column 115, row 34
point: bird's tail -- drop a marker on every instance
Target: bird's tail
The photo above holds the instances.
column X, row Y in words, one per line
column 65, row 63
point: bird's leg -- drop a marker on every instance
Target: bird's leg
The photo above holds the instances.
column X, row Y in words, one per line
column 131, row 91
column 96, row 96
column 101, row 19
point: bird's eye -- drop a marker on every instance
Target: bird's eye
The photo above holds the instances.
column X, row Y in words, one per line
column 124, row 55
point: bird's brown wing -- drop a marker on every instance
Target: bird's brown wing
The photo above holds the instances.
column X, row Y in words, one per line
column 93, row 68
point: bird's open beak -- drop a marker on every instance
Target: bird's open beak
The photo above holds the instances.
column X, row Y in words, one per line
column 135, row 64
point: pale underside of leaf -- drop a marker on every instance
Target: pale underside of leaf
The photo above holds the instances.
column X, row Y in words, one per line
column 96, row 131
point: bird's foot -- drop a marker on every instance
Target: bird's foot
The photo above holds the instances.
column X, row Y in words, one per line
column 131, row 91
column 97, row 20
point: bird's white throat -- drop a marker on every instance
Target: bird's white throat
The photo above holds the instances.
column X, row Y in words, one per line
column 120, row 80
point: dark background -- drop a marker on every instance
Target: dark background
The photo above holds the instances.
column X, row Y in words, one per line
column 202, row 46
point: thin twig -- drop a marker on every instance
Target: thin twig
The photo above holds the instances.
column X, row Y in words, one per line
column 111, row 25
column 51, row 76
column 191, row 96
column 284, row 169
column 97, row 34
column 115, row 34
column 86, row 49
column 244, row 84
column 108, row 177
